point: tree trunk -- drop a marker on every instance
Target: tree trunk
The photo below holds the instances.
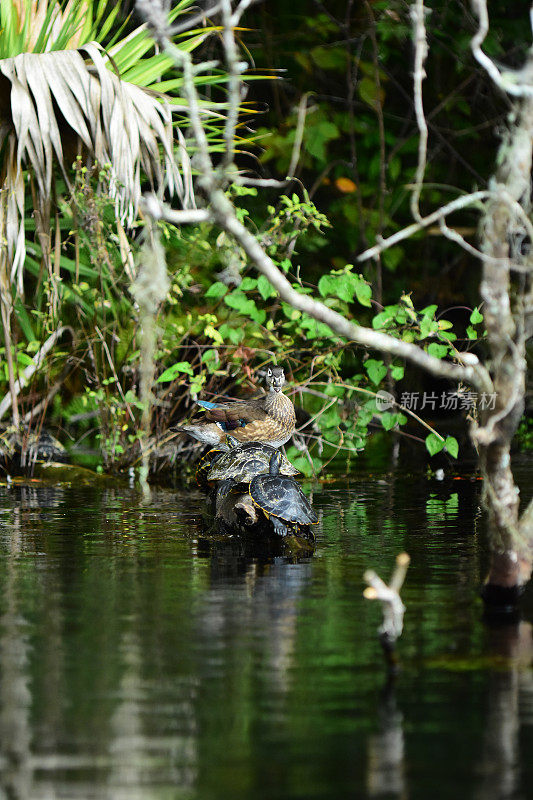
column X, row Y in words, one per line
column 504, row 289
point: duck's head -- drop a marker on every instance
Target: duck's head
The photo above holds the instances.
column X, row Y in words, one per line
column 275, row 378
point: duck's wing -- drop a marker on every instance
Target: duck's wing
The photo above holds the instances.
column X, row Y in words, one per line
column 235, row 413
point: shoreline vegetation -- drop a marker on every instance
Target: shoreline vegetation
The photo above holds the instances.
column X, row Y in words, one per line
column 161, row 267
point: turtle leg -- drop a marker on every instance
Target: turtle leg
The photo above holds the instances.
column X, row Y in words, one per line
column 222, row 491
column 279, row 526
column 224, row 487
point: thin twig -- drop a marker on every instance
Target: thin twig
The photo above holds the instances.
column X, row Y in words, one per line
column 421, row 51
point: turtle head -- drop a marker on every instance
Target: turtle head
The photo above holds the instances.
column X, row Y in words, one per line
column 230, row 442
column 275, row 463
column 275, row 378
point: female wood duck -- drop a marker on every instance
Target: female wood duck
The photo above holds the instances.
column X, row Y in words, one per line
column 270, row 418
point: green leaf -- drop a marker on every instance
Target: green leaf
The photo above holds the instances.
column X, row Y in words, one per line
column 368, row 91
column 395, row 167
column 172, row 372
column 302, row 463
column 452, row 446
column 471, row 332
column 327, row 285
column 211, row 358
column 238, row 300
column 476, row 316
column 397, row 372
column 24, row 320
column 316, row 329
column 265, row 288
column 196, row 384
column 428, row 326
column 382, row 319
column 388, row 420
column 376, row 370
column 363, row 292
column 216, row 290
column 345, row 286
column 213, row 334
column 329, row 57
column 232, row 334
column 434, row 443
column 437, row 350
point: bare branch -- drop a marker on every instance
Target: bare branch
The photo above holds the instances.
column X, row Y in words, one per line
column 455, row 205
column 454, row 236
column 421, row 51
column 263, row 183
column 151, row 206
column 517, row 83
column 234, row 83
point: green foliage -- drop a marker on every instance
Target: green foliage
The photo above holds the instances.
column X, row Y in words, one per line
column 170, row 374
column 345, row 285
column 436, row 443
column 246, row 324
column 211, row 328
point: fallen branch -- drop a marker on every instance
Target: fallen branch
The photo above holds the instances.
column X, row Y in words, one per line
column 393, row 608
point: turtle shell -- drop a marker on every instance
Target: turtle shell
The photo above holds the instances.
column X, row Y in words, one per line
column 281, row 497
column 244, row 462
column 205, row 464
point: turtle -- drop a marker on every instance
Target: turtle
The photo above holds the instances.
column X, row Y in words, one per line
column 205, row 464
column 245, row 461
column 281, row 500
column 22, row 448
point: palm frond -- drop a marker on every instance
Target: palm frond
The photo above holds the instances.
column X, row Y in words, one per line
column 58, row 93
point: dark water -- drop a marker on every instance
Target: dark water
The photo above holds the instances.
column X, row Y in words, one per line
column 140, row 660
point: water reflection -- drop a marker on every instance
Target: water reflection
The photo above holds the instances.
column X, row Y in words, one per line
column 510, row 686
column 140, row 659
column 15, row 695
column 386, row 749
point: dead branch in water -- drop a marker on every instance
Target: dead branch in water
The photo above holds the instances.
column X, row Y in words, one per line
column 393, row 608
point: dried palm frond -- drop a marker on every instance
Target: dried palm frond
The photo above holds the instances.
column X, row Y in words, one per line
column 58, row 96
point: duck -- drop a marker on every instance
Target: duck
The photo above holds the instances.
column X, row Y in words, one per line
column 270, row 418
